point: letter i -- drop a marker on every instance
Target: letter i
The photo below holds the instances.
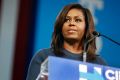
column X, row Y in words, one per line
column 116, row 75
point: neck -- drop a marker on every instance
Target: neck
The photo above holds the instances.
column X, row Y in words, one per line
column 76, row 47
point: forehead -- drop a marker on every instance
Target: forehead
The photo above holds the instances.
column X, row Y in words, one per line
column 75, row 12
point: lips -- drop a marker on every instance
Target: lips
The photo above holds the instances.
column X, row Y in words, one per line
column 72, row 30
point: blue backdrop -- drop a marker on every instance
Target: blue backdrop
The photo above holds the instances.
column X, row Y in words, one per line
column 106, row 16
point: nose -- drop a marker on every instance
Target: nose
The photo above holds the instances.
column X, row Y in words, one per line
column 72, row 23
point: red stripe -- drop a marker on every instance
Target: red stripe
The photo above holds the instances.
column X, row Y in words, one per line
column 21, row 40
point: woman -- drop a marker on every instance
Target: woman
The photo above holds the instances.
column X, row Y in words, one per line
column 74, row 25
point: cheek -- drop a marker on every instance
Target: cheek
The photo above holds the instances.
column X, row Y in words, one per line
column 81, row 27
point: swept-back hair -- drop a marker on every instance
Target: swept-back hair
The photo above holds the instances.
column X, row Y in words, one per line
column 57, row 37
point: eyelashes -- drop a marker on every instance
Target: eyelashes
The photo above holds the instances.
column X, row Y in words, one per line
column 77, row 20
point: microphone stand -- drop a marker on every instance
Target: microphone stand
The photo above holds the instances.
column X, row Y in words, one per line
column 98, row 34
column 85, row 48
column 110, row 39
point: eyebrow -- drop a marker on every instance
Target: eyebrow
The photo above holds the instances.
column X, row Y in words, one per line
column 75, row 16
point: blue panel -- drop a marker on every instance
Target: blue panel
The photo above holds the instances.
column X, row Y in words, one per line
column 66, row 69
column 109, row 25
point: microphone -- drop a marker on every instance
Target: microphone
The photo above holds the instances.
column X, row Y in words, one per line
column 85, row 46
column 98, row 34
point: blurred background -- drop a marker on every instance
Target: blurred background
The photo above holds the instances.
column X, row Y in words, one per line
column 26, row 26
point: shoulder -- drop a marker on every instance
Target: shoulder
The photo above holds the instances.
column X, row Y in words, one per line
column 37, row 59
column 100, row 60
column 42, row 54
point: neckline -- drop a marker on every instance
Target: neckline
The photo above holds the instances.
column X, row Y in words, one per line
column 70, row 54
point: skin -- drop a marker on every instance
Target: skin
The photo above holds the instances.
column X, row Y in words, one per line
column 73, row 30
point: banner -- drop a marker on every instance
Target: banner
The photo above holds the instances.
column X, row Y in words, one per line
column 66, row 69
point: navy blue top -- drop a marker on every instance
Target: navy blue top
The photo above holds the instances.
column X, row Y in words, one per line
column 34, row 68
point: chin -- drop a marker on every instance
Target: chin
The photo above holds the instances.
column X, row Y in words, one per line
column 72, row 38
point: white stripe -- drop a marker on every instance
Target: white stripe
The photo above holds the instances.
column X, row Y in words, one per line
column 7, row 37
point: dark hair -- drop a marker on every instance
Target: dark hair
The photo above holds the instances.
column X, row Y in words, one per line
column 57, row 37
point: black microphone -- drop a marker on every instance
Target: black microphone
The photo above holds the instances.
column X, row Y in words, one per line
column 85, row 46
column 96, row 33
column 99, row 34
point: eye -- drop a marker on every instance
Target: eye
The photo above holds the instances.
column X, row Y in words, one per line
column 78, row 20
column 67, row 20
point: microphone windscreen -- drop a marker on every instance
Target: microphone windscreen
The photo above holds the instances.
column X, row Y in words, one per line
column 96, row 33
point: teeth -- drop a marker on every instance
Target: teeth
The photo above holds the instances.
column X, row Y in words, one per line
column 71, row 30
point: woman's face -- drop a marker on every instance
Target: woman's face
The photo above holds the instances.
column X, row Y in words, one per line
column 74, row 25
